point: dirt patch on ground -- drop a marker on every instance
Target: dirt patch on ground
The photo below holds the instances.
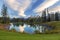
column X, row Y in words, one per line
column 4, row 26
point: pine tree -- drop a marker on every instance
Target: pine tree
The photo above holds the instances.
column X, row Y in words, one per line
column 4, row 14
column 56, row 16
column 44, row 16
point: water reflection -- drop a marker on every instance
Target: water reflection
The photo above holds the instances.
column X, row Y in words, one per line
column 29, row 28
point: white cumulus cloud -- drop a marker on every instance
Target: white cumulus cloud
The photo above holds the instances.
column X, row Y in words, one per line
column 45, row 4
column 54, row 9
column 18, row 5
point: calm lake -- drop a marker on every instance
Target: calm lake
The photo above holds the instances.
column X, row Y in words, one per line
column 29, row 28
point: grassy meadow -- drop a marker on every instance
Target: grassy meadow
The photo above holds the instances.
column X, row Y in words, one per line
column 5, row 35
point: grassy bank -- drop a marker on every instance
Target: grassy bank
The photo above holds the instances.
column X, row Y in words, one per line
column 56, row 25
column 5, row 35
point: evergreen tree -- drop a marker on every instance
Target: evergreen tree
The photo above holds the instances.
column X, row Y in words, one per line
column 44, row 16
column 4, row 14
column 48, row 17
column 56, row 16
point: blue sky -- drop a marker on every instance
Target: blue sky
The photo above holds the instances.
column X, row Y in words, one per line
column 25, row 8
column 34, row 5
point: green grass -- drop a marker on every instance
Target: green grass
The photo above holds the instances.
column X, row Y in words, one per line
column 5, row 35
column 54, row 23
